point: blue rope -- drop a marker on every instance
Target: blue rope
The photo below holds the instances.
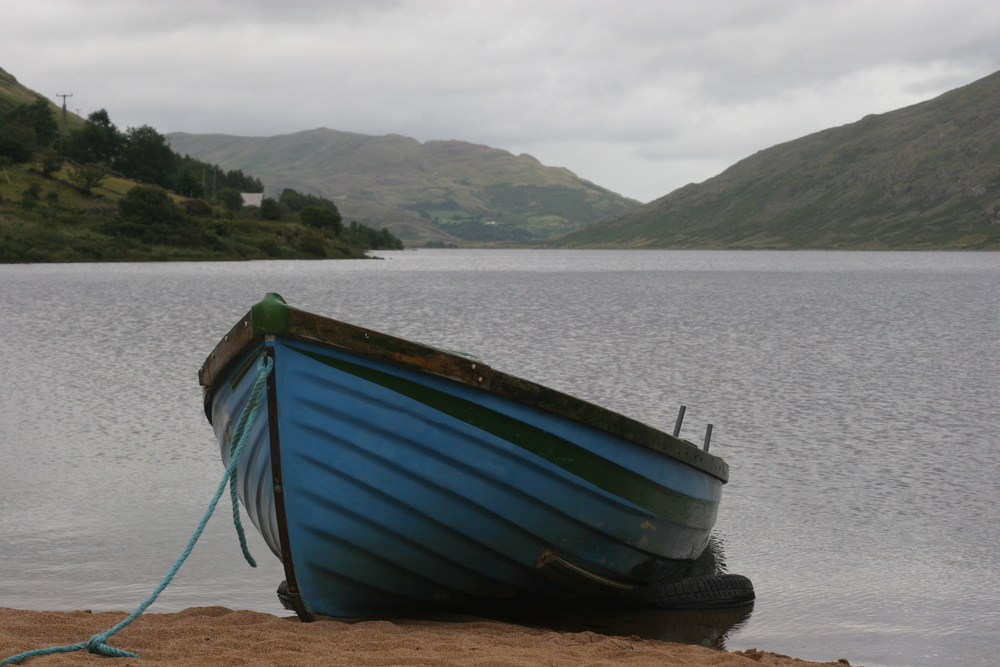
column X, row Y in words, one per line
column 98, row 643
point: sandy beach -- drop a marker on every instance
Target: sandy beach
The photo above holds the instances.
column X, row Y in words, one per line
column 219, row 636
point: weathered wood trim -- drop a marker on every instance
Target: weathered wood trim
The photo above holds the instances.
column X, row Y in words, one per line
column 375, row 345
column 617, row 424
column 227, row 351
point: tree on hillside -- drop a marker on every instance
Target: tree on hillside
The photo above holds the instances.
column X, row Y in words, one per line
column 87, row 176
column 371, row 239
column 44, row 122
column 38, row 116
column 17, row 141
column 149, row 204
column 146, row 156
column 97, row 141
column 270, row 209
column 189, row 186
column 236, row 179
column 322, row 218
column 231, row 198
column 25, row 129
column 296, row 201
column 50, row 160
column 149, row 214
column 214, row 177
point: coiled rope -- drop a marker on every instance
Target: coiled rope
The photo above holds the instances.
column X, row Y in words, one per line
column 99, row 643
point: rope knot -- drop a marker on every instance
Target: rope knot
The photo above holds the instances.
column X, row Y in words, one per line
column 98, row 644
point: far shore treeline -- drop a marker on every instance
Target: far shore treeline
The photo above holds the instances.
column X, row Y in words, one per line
column 923, row 177
column 93, row 192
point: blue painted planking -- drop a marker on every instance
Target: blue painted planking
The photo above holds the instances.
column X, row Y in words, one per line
column 390, row 502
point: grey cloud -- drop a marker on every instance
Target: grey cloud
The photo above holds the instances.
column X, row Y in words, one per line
column 661, row 87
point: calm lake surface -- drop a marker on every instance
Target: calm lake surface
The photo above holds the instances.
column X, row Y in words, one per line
column 855, row 396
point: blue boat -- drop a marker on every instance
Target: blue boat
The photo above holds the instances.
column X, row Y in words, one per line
column 389, row 475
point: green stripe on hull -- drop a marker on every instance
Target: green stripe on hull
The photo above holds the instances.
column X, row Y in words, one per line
column 599, row 471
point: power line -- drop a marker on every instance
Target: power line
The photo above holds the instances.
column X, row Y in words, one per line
column 65, row 122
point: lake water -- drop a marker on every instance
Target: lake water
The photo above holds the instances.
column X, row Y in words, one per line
column 855, row 395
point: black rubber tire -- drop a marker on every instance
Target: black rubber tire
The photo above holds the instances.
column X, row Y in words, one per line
column 716, row 591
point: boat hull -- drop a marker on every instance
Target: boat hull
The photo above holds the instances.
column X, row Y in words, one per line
column 383, row 487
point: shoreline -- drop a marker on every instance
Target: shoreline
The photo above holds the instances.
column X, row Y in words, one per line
column 220, row 636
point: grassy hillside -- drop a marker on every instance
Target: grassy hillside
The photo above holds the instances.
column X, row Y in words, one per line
column 450, row 191
column 60, row 199
column 13, row 94
column 47, row 219
column 926, row 176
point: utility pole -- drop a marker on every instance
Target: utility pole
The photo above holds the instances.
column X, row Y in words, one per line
column 65, row 122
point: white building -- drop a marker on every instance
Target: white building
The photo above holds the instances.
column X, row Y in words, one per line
column 252, row 198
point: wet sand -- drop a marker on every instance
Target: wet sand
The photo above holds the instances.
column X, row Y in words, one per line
column 219, row 636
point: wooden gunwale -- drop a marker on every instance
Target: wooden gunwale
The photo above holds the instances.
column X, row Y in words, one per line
column 473, row 372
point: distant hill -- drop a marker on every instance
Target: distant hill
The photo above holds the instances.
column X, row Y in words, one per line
column 451, row 191
column 926, row 176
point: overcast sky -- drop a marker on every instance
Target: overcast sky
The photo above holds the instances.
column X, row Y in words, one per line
column 640, row 96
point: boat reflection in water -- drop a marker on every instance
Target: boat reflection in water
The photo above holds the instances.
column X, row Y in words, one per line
column 706, row 627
